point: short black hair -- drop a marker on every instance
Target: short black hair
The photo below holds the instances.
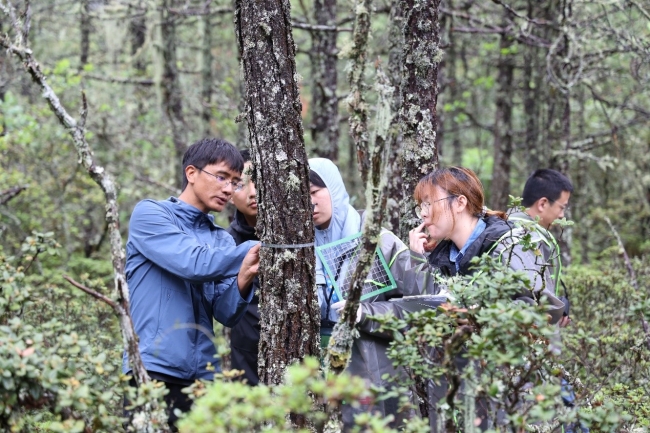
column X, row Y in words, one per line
column 545, row 183
column 246, row 155
column 209, row 151
column 316, row 180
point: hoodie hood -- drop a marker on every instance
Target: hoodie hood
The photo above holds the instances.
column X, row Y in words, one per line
column 345, row 221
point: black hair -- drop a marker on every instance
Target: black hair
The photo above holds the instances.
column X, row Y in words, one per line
column 545, row 183
column 316, row 180
column 246, row 155
column 209, row 151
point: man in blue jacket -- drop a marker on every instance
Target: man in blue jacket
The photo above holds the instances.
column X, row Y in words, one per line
column 183, row 270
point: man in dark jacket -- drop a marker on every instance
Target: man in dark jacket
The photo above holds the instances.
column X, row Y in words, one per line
column 245, row 335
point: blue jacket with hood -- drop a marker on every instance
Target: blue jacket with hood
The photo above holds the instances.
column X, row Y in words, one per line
column 182, row 272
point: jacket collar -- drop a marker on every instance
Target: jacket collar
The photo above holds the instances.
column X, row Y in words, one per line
column 495, row 228
column 189, row 214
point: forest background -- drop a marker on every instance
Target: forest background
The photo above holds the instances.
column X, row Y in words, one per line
column 520, row 85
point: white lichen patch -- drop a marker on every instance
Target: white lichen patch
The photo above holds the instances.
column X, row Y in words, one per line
column 281, row 155
column 293, row 182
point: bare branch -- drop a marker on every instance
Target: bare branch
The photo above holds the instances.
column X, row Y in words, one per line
column 319, row 28
column 114, row 305
column 119, row 80
column 631, row 273
column 10, row 193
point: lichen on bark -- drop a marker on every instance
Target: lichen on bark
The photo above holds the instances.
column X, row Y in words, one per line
column 419, row 95
column 289, row 312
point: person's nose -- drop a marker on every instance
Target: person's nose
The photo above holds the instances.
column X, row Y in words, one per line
column 252, row 192
column 228, row 188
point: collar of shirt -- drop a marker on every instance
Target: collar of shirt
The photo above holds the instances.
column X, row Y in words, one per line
column 455, row 256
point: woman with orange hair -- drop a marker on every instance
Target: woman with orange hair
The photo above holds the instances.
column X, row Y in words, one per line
column 457, row 227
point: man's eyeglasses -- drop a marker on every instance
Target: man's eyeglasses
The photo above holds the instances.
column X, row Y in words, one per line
column 237, row 186
column 425, row 205
column 564, row 207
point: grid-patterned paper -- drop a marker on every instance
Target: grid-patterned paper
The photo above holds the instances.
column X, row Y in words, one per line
column 339, row 261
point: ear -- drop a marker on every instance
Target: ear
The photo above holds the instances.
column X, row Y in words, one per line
column 460, row 203
column 191, row 172
column 541, row 204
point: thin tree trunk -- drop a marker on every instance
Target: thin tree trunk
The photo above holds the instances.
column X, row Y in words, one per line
column 395, row 64
column 340, row 346
column 206, row 72
column 289, row 311
column 356, row 99
column 503, row 122
column 532, row 99
column 138, row 35
column 85, row 29
column 454, row 92
column 325, row 105
column 419, row 95
column 172, row 98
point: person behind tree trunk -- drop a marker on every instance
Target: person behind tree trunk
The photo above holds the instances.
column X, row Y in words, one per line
column 455, row 220
column 245, row 335
column 336, row 220
column 184, row 271
column 546, row 198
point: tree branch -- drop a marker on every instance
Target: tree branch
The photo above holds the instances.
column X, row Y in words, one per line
column 10, row 193
column 630, row 271
column 114, row 305
column 119, row 80
column 319, row 28
column 77, row 132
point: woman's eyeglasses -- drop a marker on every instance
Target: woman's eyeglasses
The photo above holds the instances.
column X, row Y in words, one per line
column 425, row 205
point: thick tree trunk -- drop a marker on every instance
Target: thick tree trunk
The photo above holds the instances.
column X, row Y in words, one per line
column 419, row 95
column 289, row 312
column 172, row 98
column 503, row 123
column 325, row 104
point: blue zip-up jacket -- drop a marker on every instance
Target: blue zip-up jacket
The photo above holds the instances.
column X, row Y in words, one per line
column 182, row 271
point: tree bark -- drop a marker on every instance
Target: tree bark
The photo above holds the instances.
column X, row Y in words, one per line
column 172, row 98
column 84, row 24
column 325, row 104
column 138, row 34
column 289, row 311
column 419, row 95
column 356, row 99
column 206, row 73
column 503, row 122
column 340, row 345
column 394, row 141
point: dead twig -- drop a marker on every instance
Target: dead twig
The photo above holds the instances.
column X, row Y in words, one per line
column 631, row 273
